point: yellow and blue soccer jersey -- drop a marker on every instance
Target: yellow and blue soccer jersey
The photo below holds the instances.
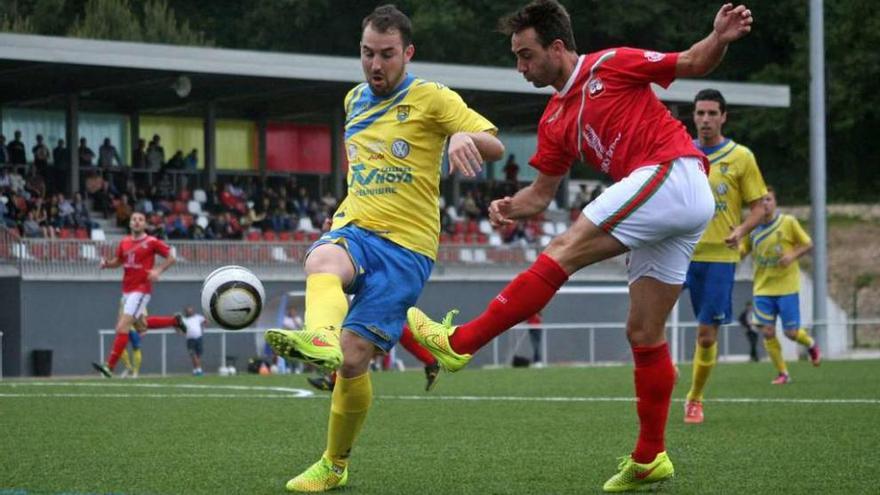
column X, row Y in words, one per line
column 735, row 180
column 768, row 243
column 395, row 144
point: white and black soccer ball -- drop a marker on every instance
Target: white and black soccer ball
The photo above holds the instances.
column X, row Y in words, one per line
column 232, row 297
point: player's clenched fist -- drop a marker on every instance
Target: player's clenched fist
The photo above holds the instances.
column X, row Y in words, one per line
column 499, row 212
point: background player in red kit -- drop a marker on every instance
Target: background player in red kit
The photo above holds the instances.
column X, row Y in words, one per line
column 606, row 114
column 136, row 253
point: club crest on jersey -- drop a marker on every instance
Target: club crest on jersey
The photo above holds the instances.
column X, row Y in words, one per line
column 402, row 112
column 721, row 189
column 653, row 56
column 400, row 148
column 724, row 169
column 596, row 87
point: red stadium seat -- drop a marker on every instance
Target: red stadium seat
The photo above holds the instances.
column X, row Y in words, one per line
column 473, row 227
column 269, row 236
column 65, row 233
column 299, row 236
column 285, row 235
column 458, row 238
column 445, row 238
column 482, row 239
column 459, row 227
column 313, row 236
column 253, row 235
column 82, row 233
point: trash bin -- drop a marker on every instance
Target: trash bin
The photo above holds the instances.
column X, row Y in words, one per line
column 42, row 362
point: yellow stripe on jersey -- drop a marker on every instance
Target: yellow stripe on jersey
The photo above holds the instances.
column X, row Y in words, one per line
column 395, row 145
column 736, row 181
column 768, row 243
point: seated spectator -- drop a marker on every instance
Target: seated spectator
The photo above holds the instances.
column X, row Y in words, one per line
column 107, row 155
column 582, row 198
column 31, row 227
column 5, row 179
column 53, row 213
column 66, row 212
column 35, row 184
column 7, row 217
column 41, row 216
column 81, row 212
column 86, row 155
column 278, row 218
column 253, row 219
column 123, row 211
column 469, row 206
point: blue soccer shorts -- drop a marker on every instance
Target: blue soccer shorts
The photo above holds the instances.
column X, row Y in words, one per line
column 787, row 307
column 388, row 280
column 711, row 288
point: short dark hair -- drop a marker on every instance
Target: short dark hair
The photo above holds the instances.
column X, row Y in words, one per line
column 771, row 189
column 387, row 17
column 710, row 94
column 549, row 19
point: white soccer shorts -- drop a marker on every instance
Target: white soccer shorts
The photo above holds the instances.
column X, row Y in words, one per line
column 134, row 303
column 659, row 212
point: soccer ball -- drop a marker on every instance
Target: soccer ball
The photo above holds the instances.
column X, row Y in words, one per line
column 232, row 296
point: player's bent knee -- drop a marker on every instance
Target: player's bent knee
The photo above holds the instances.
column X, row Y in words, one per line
column 329, row 258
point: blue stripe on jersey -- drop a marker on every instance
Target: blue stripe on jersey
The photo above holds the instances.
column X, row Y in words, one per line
column 398, row 95
column 708, row 150
column 359, row 100
column 713, row 160
column 766, row 231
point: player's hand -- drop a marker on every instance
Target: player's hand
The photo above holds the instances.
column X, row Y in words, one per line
column 786, row 260
column 732, row 23
column 499, row 212
column 153, row 275
column 102, row 264
column 736, row 235
column 464, row 157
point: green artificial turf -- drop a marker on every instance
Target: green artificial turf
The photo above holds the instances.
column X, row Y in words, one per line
column 510, row 431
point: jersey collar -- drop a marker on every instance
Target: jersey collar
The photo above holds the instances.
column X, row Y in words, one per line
column 573, row 76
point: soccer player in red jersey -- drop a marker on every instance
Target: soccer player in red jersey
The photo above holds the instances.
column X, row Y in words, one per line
column 136, row 253
column 605, row 113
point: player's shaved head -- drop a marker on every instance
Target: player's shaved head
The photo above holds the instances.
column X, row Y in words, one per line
column 548, row 18
column 387, row 18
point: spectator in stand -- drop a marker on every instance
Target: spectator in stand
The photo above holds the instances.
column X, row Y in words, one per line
column 81, row 212
column 511, row 170
column 139, row 155
column 4, row 156
column 41, row 157
column 86, row 155
column 16, row 150
column 581, row 199
column 123, row 211
column 40, row 211
column 469, row 206
column 31, row 227
column 155, row 154
column 60, row 156
column 66, row 212
column 36, row 185
column 278, row 217
column 176, row 162
column 254, row 217
column 145, row 203
column 53, row 213
column 599, row 189
column 192, row 160
column 107, row 154
column 302, row 203
column 7, row 219
column 5, row 179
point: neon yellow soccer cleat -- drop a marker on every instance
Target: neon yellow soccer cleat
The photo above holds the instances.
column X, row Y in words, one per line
column 319, row 347
column 435, row 337
column 634, row 476
column 320, row 477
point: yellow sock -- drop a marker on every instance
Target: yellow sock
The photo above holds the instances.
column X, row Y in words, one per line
column 138, row 357
column 348, row 410
column 326, row 304
column 704, row 361
column 123, row 358
column 803, row 338
column 774, row 350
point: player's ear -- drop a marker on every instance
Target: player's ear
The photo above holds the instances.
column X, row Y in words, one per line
column 408, row 52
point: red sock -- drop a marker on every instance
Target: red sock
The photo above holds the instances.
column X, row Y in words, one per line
column 119, row 344
column 655, row 378
column 530, row 291
column 332, row 378
column 410, row 344
column 160, row 321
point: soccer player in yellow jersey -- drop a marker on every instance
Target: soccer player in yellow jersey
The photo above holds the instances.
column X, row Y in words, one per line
column 735, row 180
column 775, row 246
column 383, row 241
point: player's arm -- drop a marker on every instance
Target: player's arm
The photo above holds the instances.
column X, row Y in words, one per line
column 113, row 262
column 731, row 23
column 157, row 272
column 468, row 150
column 753, row 219
column 528, row 201
column 803, row 245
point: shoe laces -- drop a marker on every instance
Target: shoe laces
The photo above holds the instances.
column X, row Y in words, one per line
column 623, row 461
column 447, row 320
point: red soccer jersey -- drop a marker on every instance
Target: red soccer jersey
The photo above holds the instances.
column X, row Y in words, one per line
column 607, row 115
column 138, row 257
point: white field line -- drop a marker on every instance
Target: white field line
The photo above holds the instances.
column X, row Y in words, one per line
column 296, row 393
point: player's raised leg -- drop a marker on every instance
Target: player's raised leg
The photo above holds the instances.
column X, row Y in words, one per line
column 328, row 268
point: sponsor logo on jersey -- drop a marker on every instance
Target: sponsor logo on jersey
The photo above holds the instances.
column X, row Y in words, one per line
column 363, row 180
column 603, row 153
column 352, row 152
column 721, row 189
column 400, row 148
column 402, row 112
column 652, row 56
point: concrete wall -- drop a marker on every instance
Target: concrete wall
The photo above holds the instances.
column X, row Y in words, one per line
column 64, row 317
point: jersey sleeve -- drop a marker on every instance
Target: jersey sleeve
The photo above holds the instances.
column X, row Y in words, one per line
column 119, row 252
column 352, row 96
column 453, row 115
column 752, row 182
column 161, row 248
column 799, row 235
column 551, row 157
column 643, row 66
